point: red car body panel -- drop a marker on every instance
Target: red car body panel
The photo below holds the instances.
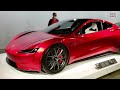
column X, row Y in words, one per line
column 79, row 46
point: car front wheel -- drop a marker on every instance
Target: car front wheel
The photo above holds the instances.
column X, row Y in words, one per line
column 55, row 59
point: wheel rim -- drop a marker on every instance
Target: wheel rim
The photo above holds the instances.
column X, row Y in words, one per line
column 56, row 59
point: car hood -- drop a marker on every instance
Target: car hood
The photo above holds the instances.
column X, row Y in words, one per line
column 28, row 40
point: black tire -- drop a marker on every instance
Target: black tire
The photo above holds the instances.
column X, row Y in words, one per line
column 55, row 59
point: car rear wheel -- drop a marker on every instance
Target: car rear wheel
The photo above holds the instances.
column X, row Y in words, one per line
column 55, row 59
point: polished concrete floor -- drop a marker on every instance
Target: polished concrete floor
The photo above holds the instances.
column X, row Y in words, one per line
column 113, row 75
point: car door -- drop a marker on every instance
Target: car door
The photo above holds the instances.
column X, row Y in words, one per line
column 86, row 43
column 104, row 37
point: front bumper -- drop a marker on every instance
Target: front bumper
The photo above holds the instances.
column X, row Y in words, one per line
column 25, row 62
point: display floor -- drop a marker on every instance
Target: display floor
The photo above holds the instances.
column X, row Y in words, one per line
column 113, row 75
column 80, row 70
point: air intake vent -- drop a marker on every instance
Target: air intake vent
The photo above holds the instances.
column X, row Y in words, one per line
column 26, row 33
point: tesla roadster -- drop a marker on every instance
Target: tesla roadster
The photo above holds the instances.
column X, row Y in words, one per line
column 63, row 43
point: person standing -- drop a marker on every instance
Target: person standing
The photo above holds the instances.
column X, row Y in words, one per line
column 53, row 20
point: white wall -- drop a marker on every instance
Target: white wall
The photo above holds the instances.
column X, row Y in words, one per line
column 13, row 22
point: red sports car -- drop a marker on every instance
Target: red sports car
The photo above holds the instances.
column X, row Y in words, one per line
column 63, row 43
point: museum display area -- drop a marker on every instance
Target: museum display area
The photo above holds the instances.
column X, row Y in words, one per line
column 95, row 42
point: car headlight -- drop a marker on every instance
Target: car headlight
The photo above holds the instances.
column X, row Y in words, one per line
column 29, row 50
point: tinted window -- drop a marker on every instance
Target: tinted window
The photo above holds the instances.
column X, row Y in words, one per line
column 106, row 25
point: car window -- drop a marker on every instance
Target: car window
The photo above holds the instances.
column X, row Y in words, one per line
column 91, row 27
column 64, row 28
column 106, row 25
column 78, row 23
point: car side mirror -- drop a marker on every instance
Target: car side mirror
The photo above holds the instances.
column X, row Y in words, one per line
column 79, row 33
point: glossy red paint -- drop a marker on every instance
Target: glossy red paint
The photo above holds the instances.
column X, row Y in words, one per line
column 79, row 46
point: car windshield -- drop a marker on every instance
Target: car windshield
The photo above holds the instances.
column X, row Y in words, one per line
column 63, row 27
